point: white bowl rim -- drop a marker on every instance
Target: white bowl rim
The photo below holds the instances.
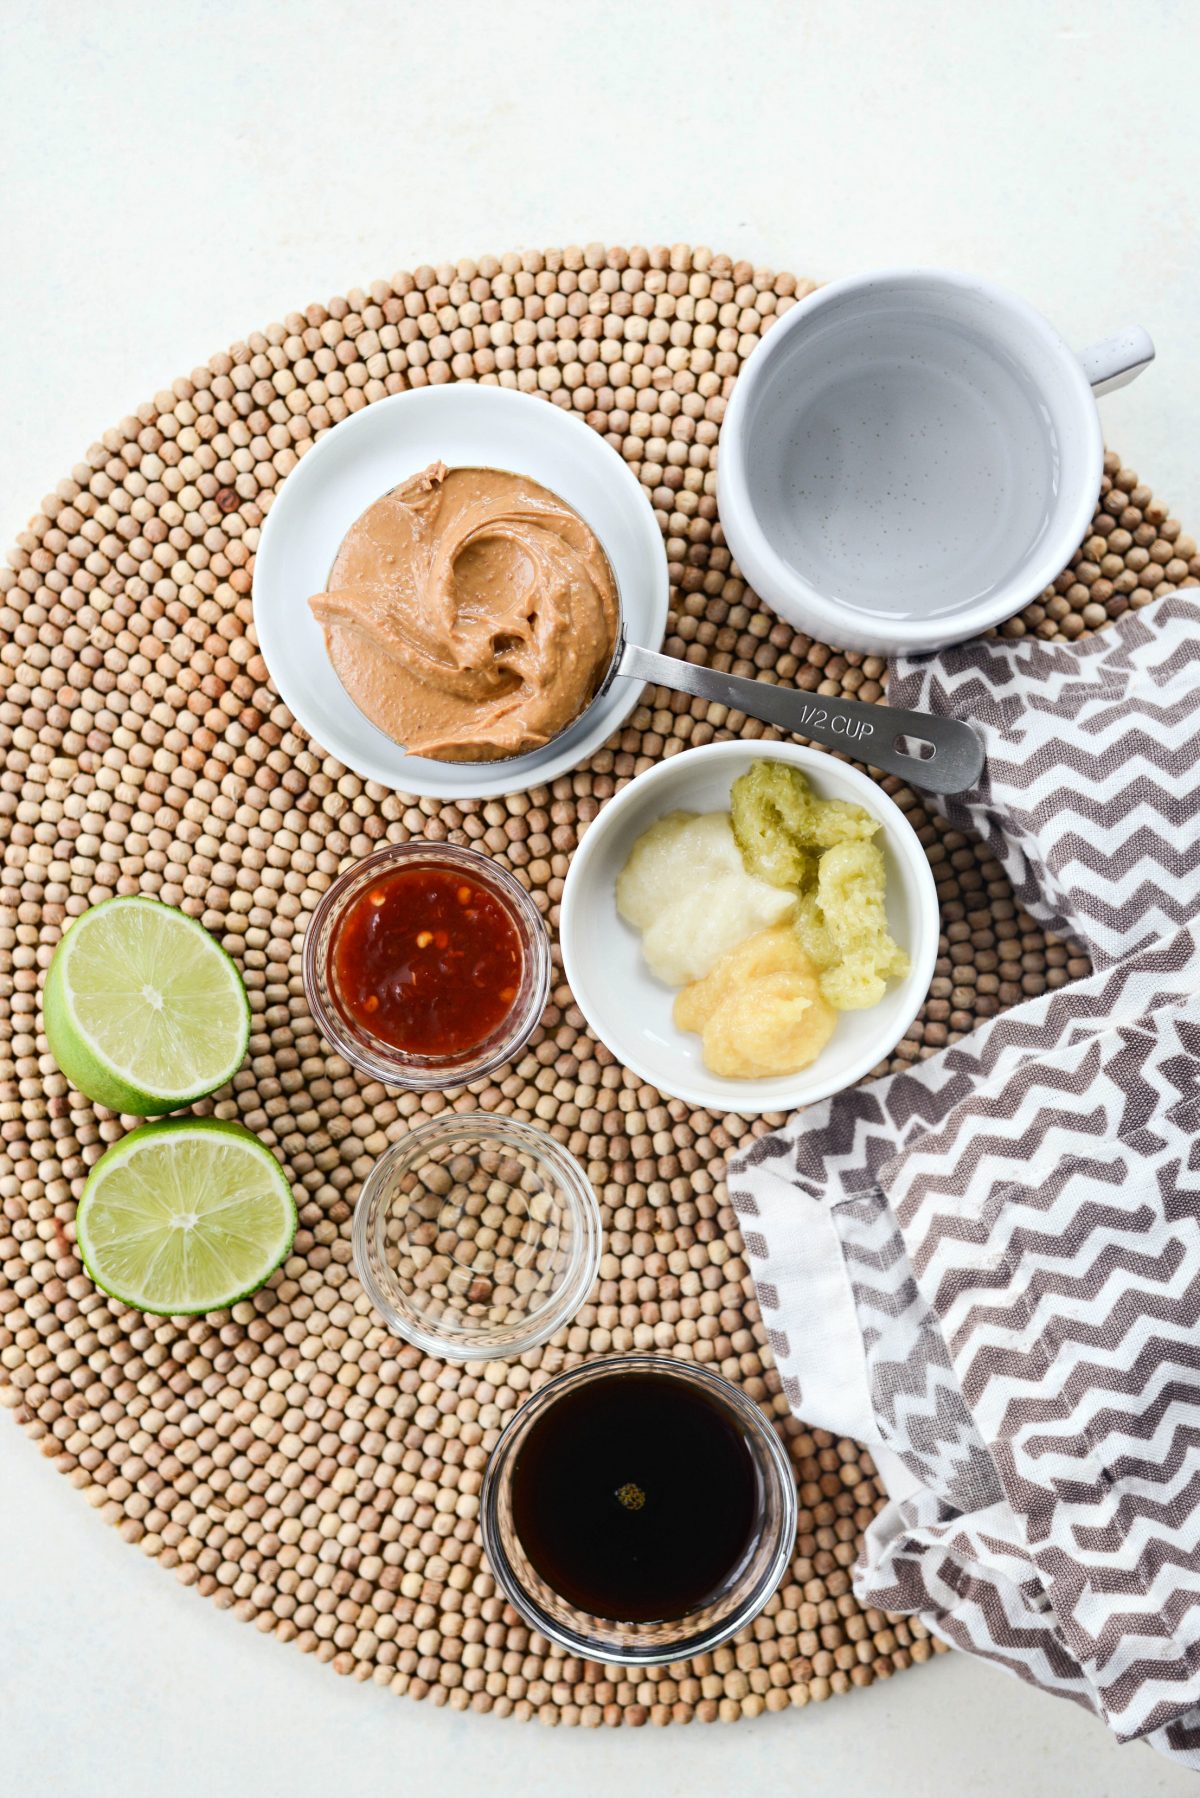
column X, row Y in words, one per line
column 454, row 780
column 770, row 574
column 903, row 840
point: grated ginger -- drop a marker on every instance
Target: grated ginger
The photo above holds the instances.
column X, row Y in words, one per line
column 760, row 1011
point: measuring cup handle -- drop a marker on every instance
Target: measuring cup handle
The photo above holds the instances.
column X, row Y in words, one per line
column 1117, row 360
column 945, row 754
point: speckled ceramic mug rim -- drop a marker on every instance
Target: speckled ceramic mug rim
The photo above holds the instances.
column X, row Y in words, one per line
column 785, row 588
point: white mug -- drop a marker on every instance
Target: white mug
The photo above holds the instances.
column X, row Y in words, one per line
column 912, row 456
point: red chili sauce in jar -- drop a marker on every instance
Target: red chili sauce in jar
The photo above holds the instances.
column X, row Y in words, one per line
column 427, row 960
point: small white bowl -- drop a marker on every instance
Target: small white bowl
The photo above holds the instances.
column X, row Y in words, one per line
column 464, row 425
column 630, row 1011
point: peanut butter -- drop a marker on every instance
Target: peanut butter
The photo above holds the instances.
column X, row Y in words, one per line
column 471, row 614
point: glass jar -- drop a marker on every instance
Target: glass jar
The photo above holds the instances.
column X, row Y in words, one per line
column 370, row 1053
column 476, row 1237
column 750, row 1582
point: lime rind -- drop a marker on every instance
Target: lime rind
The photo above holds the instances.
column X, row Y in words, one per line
column 136, row 990
column 185, row 1217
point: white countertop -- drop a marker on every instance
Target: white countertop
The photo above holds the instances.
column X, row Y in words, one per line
column 174, row 177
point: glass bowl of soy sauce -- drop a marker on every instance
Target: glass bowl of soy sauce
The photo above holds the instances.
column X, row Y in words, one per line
column 638, row 1510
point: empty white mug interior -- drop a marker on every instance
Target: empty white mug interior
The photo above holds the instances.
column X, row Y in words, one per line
column 919, row 445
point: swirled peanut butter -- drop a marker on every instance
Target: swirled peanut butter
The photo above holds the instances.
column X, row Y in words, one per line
column 471, row 614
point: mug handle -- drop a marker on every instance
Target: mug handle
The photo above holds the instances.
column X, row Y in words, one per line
column 1116, row 361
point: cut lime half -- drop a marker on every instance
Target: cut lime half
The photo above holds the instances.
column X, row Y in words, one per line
column 185, row 1216
column 144, row 1011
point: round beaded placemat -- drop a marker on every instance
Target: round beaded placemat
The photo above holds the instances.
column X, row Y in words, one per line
column 290, row 1459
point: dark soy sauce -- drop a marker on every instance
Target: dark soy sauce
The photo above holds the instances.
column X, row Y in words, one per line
column 635, row 1497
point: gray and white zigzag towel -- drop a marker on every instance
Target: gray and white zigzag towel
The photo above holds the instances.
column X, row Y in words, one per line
column 988, row 1267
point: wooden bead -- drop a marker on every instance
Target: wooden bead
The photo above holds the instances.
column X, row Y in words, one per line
column 291, row 1460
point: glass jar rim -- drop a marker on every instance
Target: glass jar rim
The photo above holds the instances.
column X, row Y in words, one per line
column 573, row 1188
column 652, row 1653
column 371, row 1056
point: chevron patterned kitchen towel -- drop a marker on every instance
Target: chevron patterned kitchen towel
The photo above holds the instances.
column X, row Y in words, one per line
column 988, row 1267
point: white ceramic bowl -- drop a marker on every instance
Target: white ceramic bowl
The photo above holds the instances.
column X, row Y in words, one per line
column 630, row 1011
column 372, row 451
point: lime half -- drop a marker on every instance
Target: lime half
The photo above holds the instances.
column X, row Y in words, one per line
column 144, row 1011
column 185, row 1216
